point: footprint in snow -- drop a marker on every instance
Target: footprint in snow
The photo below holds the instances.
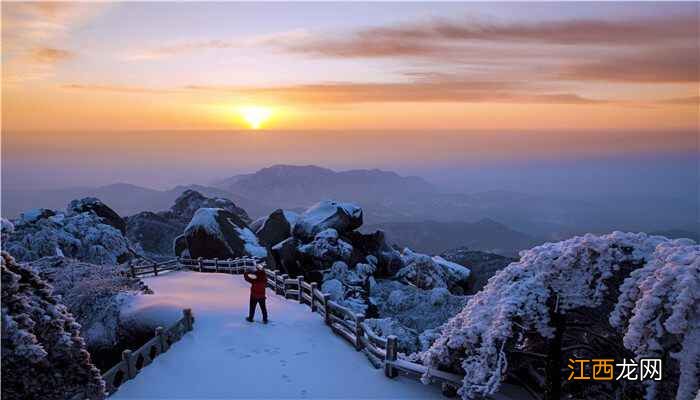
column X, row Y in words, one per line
column 285, row 378
column 301, row 353
column 304, row 393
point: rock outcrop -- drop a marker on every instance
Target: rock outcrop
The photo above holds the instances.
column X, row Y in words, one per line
column 43, row 355
column 153, row 232
column 426, row 272
column 91, row 204
column 481, row 264
column 218, row 233
column 343, row 217
column 274, row 228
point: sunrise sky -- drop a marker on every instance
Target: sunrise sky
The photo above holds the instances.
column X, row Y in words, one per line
column 130, row 85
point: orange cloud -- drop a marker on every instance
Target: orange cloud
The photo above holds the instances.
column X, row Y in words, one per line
column 48, row 55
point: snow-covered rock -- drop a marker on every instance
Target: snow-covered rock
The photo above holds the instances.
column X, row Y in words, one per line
column 426, row 272
column 387, row 260
column 287, row 257
column 81, row 235
column 327, row 214
column 326, row 248
column 275, row 228
column 91, row 204
column 154, row 232
column 659, row 308
column 217, row 233
column 43, row 355
column 516, row 303
column 482, row 265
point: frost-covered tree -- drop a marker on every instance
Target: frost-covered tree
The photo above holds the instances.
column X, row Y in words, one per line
column 547, row 306
column 43, row 355
column 659, row 307
column 94, row 295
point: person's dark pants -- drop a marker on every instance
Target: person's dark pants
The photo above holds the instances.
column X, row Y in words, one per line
column 253, row 302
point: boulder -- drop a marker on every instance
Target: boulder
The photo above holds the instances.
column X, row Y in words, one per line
column 481, row 264
column 154, row 232
column 426, row 272
column 92, row 204
column 327, row 214
column 187, row 204
column 326, row 248
column 180, row 247
column 388, row 260
column 287, row 257
column 275, row 228
column 218, row 233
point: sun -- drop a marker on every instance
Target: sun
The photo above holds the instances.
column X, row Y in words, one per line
column 255, row 116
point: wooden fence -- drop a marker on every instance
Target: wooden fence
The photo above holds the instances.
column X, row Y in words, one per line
column 381, row 352
column 152, row 268
column 134, row 361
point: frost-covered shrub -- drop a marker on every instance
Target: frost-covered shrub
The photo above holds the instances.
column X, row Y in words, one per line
column 407, row 337
column 43, row 355
column 415, row 308
column 94, row 294
column 659, row 308
column 83, row 236
column 549, row 281
column 426, row 272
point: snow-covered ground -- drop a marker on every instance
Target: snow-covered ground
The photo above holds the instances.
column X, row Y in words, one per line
column 295, row 356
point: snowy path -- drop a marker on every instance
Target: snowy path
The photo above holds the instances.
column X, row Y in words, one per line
column 295, row 356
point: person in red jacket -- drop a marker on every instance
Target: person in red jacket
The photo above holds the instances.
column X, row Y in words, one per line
column 258, row 282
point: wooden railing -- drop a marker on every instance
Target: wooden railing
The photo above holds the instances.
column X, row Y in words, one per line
column 134, row 361
column 381, row 352
column 152, row 268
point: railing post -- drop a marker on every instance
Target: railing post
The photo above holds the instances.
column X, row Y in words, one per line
column 216, row 264
column 131, row 269
column 179, row 262
column 230, row 266
column 359, row 332
column 389, row 369
column 130, row 370
column 284, row 285
column 326, row 309
column 300, row 279
column 313, row 296
column 155, row 269
column 161, row 339
column 200, row 262
column 187, row 313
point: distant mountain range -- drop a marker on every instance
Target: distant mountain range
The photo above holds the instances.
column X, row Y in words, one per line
column 436, row 237
column 390, row 200
column 301, row 186
column 124, row 198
